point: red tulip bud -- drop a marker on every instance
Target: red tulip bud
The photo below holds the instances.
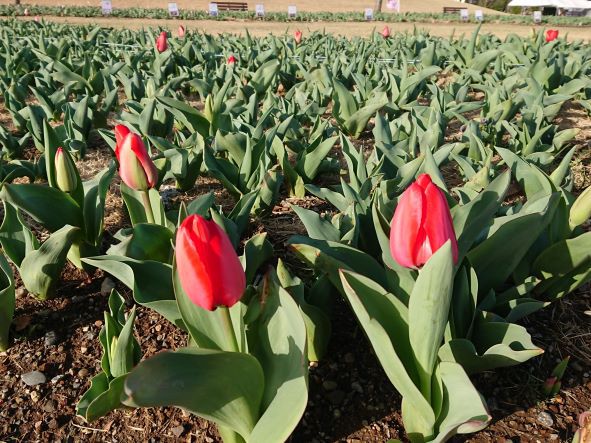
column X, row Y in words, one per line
column 231, row 60
column 181, row 31
column 421, row 224
column 386, row 32
column 136, row 168
column 209, row 269
column 161, row 43
column 298, row 37
column 551, row 35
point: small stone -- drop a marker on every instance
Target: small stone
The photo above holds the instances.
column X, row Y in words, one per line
column 33, row 378
column 356, row 386
column 85, row 329
column 330, row 385
column 177, row 431
column 49, row 406
column 35, row 396
column 98, row 323
column 208, row 439
column 75, row 385
column 57, row 378
column 38, row 425
column 545, row 419
column 349, row 357
column 20, row 293
column 553, row 437
column 50, row 338
column 107, row 286
column 82, row 372
column 83, row 349
column 158, row 328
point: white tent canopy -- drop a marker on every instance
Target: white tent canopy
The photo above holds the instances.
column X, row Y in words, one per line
column 564, row 4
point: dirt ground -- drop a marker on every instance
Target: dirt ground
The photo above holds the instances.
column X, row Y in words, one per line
column 349, row 29
column 272, row 5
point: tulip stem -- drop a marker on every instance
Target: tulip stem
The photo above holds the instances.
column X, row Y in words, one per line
column 148, row 206
column 229, row 328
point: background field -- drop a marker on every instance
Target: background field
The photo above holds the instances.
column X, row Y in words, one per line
column 275, row 5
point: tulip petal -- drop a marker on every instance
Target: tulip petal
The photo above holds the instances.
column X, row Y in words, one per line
column 405, row 229
column 121, row 131
column 438, row 222
column 138, row 147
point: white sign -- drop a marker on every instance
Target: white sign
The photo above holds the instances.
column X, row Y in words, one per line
column 394, row 5
column 478, row 15
column 292, row 11
column 106, row 7
column 464, row 14
column 173, row 9
column 369, row 14
column 213, row 9
column 259, row 10
column 537, row 16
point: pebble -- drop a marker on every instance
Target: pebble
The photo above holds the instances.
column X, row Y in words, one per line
column 107, row 286
column 356, row 386
column 57, row 378
column 177, row 431
column 20, row 293
column 330, row 385
column 98, row 323
column 83, row 349
column 545, row 419
column 158, row 328
column 35, row 396
column 50, row 338
column 33, row 378
column 49, row 406
column 83, row 372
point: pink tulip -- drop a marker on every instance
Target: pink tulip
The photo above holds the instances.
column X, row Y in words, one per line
column 421, row 224
column 37, row 18
column 161, row 42
column 551, row 35
column 181, row 31
column 232, row 60
column 209, row 269
column 298, row 37
column 386, row 32
column 136, row 168
column 26, row 11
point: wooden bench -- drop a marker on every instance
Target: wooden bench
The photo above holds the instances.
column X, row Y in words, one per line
column 232, row 6
column 452, row 9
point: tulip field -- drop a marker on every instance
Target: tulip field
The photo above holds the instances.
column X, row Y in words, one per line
column 296, row 237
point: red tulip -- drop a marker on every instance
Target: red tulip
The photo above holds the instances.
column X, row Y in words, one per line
column 209, row 269
column 386, row 32
column 421, row 224
column 161, row 43
column 232, row 60
column 298, row 37
column 136, row 168
column 181, row 31
column 551, row 35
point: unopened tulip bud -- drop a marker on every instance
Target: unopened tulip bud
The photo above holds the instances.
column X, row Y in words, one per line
column 209, row 270
column 181, row 31
column 231, row 60
column 161, row 42
column 298, row 37
column 136, row 168
column 65, row 171
column 580, row 211
column 386, row 32
column 421, row 224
